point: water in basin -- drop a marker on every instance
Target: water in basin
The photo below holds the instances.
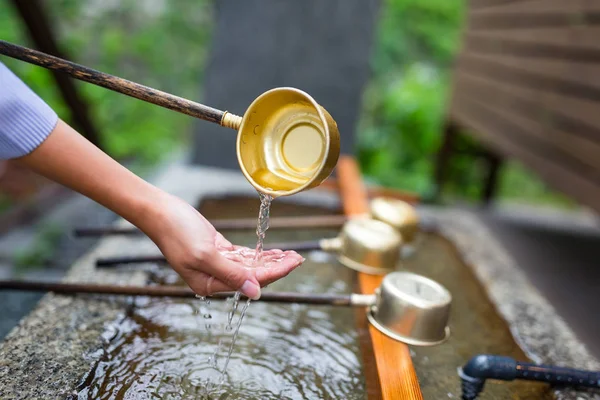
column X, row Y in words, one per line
column 293, row 351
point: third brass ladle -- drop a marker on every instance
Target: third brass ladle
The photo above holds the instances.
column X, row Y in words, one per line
column 364, row 244
column 406, row 307
column 286, row 141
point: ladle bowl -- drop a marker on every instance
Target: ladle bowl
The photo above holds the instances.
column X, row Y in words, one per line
column 366, row 245
column 412, row 309
column 397, row 213
column 403, row 217
column 286, row 142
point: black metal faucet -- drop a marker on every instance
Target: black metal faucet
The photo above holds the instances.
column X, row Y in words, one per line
column 482, row 367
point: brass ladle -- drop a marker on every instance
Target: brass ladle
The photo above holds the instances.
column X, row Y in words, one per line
column 364, row 244
column 404, row 218
column 399, row 214
column 406, row 307
column 286, row 141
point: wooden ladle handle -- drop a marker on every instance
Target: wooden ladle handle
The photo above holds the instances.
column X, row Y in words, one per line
column 120, row 85
column 109, row 262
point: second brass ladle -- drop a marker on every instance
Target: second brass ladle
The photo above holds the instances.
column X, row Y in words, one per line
column 364, row 244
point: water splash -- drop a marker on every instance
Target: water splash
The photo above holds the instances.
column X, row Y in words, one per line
column 233, row 339
column 212, row 360
column 236, row 300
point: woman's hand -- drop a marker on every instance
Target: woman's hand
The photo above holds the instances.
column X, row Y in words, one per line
column 205, row 259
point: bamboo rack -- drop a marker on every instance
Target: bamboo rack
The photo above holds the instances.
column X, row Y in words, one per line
column 395, row 370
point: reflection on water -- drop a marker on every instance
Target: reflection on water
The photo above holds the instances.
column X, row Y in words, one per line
column 282, row 352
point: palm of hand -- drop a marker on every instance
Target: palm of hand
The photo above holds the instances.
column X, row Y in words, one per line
column 208, row 262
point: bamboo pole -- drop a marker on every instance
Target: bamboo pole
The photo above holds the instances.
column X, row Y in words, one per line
column 108, row 262
column 318, row 221
column 170, row 291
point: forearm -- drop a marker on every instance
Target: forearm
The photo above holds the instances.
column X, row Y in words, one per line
column 68, row 158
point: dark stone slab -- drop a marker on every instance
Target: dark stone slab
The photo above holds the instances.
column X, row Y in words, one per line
column 321, row 47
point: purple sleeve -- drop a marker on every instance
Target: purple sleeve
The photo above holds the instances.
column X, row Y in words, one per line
column 25, row 119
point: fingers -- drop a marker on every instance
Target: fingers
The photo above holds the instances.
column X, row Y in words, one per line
column 204, row 285
column 231, row 274
column 276, row 271
column 210, row 269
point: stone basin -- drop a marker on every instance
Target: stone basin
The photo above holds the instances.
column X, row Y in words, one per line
column 65, row 347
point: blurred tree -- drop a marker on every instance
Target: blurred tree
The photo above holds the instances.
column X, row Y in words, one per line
column 157, row 43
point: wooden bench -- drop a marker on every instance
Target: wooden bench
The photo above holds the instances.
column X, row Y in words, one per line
column 526, row 85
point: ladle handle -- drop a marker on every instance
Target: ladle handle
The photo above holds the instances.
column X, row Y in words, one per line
column 109, row 262
column 114, row 261
column 315, row 221
column 105, row 231
column 296, row 246
column 120, row 85
column 331, row 299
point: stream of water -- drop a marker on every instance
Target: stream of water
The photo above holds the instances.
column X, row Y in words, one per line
column 262, row 225
column 261, row 231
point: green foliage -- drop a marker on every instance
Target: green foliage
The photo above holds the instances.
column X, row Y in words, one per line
column 401, row 133
column 521, row 185
column 163, row 45
column 404, row 106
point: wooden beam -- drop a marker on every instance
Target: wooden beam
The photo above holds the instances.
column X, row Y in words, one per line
column 397, row 376
column 506, row 137
column 473, row 42
column 443, row 158
column 509, row 72
column 490, row 181
column 532, row 6
column 575, row 139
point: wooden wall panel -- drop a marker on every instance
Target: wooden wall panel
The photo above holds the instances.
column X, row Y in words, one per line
column 527, row 84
